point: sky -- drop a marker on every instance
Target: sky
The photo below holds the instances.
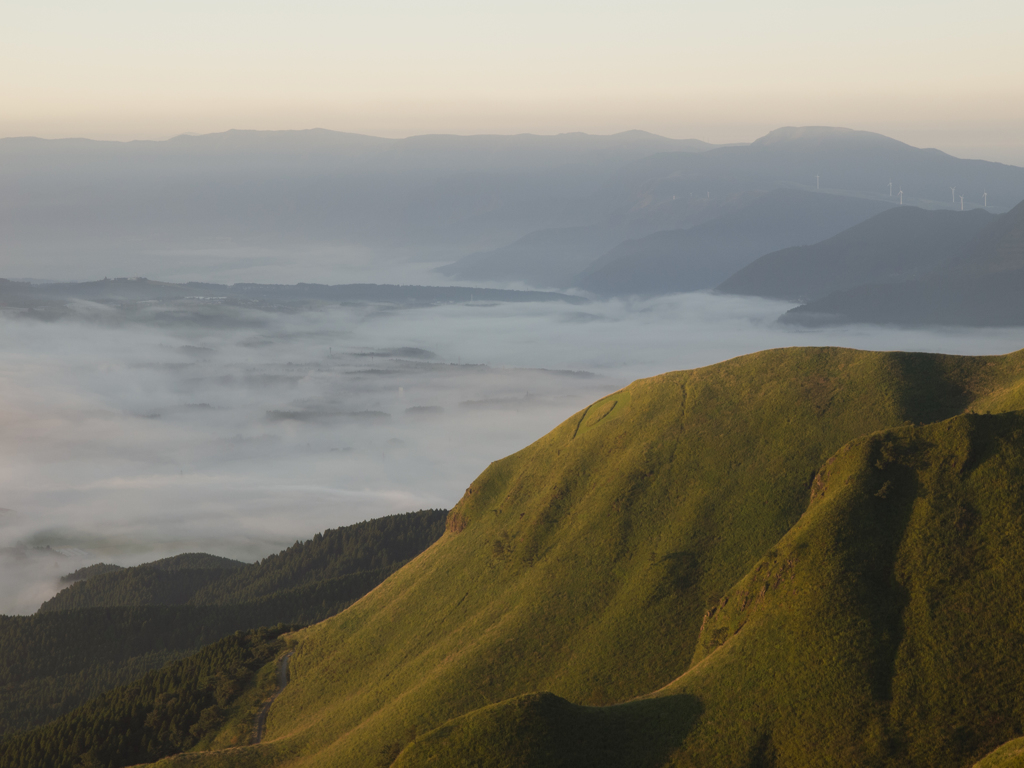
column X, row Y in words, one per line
column 943, row 74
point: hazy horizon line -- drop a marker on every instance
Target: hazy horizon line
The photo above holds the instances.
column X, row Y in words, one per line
column 382, row 135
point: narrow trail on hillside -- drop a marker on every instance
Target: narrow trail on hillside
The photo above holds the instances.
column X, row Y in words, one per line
column 282, row 681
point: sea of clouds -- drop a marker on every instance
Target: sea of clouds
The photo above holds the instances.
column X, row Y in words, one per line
column 237, row 432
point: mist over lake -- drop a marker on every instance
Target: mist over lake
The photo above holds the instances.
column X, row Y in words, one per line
column 131, row 437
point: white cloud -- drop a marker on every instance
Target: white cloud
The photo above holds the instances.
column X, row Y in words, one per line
column 132, row 442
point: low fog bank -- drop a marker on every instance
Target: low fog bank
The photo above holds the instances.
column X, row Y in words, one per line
column 231, row 262
column 128, row 439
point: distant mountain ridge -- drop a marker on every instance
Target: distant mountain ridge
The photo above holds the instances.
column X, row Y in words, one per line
column 950, row 301
column 909, row 269
column 316, row 187
column 672, row 191
column 481, row 151
column 432, row 197
column 837, row 160
column 549, row 257
column 676, row 261
column 901, row 243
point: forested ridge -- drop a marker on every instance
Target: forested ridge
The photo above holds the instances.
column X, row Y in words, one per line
column 167, row 711
column 140, row 585
column 375, row 547
column 371, row 546
column 57, row 661
column 116, row 624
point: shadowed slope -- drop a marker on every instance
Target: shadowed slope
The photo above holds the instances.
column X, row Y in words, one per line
column 540, row 729
column 699, row 258
column 882, row 628
column 982, row 287
column 897, row 245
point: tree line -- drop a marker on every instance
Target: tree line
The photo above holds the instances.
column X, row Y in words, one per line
column 119, row 624
column 164, row 712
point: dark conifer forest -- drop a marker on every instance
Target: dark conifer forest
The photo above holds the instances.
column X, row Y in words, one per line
column 115, row 625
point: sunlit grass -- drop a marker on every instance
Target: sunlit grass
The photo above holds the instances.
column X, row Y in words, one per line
column 768, row 546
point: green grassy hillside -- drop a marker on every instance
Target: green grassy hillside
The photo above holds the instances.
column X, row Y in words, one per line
column 1009, row 755
column 593, row 565
column 881, row 630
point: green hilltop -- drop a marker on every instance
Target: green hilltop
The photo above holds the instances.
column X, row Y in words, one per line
column 877, row 632
column 798, row 557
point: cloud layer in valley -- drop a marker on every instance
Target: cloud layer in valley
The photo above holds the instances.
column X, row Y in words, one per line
column 240, row 433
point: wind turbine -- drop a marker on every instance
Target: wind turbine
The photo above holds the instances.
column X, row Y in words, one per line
column 817, row 181
column 901, row 196
column 952, row 191
column 985, row 195
column 890, row 189
column 961, row 202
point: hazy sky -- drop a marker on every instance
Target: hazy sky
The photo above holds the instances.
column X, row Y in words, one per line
column 946, row 74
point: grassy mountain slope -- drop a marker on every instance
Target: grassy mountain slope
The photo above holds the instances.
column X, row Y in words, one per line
column 585, row 564
column 541, row 729
column 981, row 287
column 1009, row 755
column 881, row 630
column 896, row 245
column 702, row 256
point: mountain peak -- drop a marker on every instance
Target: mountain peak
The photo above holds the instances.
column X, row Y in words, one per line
column 819, row 134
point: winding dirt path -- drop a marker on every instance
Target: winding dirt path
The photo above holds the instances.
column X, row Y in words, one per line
column 282, row 681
